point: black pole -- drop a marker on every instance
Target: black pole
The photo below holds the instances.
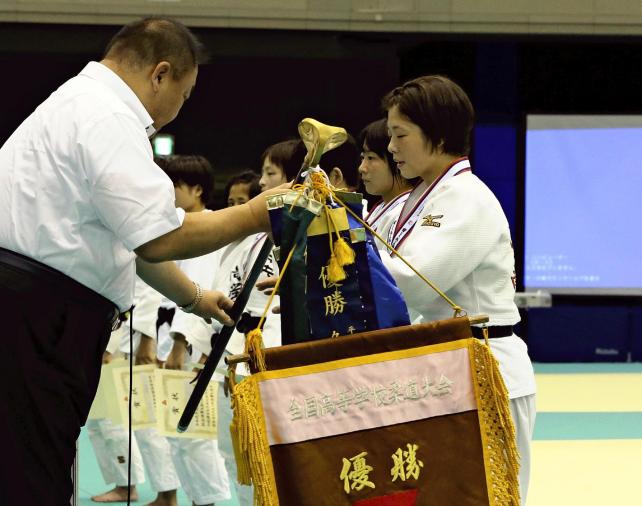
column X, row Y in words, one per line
column 219, row 345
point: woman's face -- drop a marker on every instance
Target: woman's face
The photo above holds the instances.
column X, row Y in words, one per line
column 239, row 194
column 375, row 172
column 271, row 175
column 188, row 197
column 410, row 149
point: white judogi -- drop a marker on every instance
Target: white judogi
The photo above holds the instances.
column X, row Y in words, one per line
column 111, row 442
column 164, row 341
column 154, row 449
column 198, row 462
column 231, row 283
column 383, row 213
column 201, row 469
column 236, row 261
column 157, row 458
column 146, row 301
column 111, row 446
column 457, row 236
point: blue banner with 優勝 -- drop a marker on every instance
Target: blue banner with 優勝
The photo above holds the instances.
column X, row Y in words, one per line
column 367, row 299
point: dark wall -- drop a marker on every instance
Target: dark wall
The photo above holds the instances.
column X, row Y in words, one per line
column 261, row 83
column 253, row 93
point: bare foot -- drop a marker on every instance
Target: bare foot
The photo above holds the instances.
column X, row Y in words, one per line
column 117, row 494
column 167, row 498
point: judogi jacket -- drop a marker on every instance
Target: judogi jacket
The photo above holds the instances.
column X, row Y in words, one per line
column 461, row 242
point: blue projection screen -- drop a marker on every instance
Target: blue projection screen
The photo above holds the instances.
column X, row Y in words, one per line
column 583, row 209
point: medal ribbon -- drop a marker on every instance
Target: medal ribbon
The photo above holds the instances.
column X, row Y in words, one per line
column 405, row 222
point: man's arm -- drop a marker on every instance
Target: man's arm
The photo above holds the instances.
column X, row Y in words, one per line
column 168, row 279
column 203, row 233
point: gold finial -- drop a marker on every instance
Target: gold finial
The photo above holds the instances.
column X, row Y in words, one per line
column 319, row 138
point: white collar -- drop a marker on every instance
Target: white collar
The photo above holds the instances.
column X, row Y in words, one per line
column 101, row 73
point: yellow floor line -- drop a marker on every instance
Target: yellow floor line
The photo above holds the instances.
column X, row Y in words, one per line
column 586, row 473
column 589, row 392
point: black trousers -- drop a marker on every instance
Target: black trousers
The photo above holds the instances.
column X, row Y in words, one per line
column 53, row 332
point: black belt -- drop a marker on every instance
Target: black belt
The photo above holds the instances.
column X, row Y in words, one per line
column 24, row 274
column 493, row 331
column 164, row 315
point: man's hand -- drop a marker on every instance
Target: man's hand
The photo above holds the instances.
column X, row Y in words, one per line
column 106, row 357
column 176, row 358
column 146, row 353
column 215, row 304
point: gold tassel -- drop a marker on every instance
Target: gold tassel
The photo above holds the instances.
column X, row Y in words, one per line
column 335, row 271
column 254, row 461
column 255, row 349
column 344, row 253
column 243, row 475
column 498, row 431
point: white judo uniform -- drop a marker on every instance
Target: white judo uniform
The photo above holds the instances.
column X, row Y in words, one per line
column 236, row 261
column 383, row 213
column 198, row 462
column 457, row 236
column 154, row 449
column 110, row 440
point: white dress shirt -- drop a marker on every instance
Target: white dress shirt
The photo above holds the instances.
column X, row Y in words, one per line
column 79, row 189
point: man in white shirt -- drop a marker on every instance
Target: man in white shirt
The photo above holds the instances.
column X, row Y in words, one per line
column 84, row 208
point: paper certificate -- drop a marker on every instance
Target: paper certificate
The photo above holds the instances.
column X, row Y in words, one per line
column 143, row 395
column 173, row 389
column 104, row 405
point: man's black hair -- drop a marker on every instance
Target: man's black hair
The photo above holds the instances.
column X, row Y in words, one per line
column 154, row 39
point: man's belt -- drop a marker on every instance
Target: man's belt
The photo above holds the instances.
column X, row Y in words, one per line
column 494, row 331
column 24, row 274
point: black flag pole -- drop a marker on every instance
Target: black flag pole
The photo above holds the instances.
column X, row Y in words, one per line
column 219, row 345
column 318, row 139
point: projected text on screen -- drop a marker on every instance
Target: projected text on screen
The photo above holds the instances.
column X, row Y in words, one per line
column 583, row 204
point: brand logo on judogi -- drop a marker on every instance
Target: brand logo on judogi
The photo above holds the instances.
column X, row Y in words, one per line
column 430, row 220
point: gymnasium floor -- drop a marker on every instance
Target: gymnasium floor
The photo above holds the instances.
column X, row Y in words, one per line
column 588, row 439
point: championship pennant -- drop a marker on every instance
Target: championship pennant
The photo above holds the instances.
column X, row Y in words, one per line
column 414, row 415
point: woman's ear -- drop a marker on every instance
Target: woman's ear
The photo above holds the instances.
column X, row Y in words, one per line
column 335, row 176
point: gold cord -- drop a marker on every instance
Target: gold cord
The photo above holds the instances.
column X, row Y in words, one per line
column 458, row 310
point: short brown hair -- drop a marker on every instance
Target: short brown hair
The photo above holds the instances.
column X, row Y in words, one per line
column 374, row 137
column 155, row 39
column 248, row 177
column 439, row 107
column 288, row 155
